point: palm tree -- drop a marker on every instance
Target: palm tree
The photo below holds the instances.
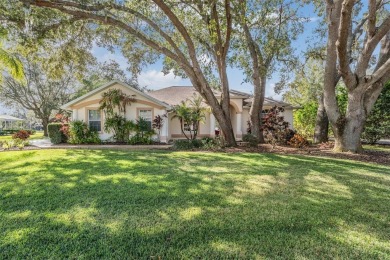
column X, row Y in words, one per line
column 8, row 61
column 115, row 98
column 191, row 115
column 182, row 112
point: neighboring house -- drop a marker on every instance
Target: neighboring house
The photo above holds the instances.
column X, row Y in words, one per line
column 160, row 102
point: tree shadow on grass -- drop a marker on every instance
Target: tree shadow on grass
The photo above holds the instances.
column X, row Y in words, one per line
column 118, row 204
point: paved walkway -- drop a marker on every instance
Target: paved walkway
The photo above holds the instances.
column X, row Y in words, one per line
column 46, row 144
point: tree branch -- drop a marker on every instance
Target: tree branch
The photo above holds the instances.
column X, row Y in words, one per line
column 342, row 43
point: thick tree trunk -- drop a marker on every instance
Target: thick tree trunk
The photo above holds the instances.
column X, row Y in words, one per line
column 350, row 141
column 350, row 127
column 257, row 106
column 222, row 118
column 225, row 119
column 322, row 123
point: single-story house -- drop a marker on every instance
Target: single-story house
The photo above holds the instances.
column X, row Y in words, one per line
column 160, row 102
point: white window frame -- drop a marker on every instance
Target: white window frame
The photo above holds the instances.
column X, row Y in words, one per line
column 89, row 120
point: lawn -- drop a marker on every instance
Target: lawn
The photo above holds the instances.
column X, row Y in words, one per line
column 167, row 205
column 37, row 135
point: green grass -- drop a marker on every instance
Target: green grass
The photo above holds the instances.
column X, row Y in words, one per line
column 37, row 135
column 376, row 147
column 186, row 205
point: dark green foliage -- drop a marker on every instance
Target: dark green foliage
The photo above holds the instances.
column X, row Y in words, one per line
column 206, row 143
column 190, row 114
column 252, row 140
column 115, row 98
column 377, row 125
column 182, row 144
column 55, row 134
column 209, row 143
column 120, row 127
column 342, row 98
column 80, row 134
column 143, row 132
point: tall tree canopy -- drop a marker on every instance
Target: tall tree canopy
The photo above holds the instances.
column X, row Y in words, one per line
column 38, row 92
column 265, row 31
column 193, row 36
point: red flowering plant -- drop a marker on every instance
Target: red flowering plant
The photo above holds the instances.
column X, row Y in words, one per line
column 21, row 134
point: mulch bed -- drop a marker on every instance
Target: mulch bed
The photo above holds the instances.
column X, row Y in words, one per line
column 372, row 156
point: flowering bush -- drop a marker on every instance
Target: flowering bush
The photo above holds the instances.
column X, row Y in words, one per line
column 21, row 134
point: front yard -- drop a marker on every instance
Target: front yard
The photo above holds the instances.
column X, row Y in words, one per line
column 150, row 204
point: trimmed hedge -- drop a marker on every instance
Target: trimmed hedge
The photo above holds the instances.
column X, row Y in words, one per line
column 55, row 134
column 187, row 144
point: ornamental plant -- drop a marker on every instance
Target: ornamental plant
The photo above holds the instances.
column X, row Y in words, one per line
column 158, row 123
column 21, row 134
column 276, row 130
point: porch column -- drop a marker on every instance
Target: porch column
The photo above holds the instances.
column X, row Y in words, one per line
column 74, row 114
column 239, row 126
column 164, row 131
column 212, row 125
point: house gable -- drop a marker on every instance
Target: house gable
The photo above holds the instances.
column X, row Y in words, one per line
column 93, row 97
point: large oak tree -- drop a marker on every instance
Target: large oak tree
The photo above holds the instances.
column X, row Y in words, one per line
column 164, row 28
column 365, row 78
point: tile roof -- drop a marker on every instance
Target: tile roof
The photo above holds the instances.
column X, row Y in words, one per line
column 269, row 102
column 175, row 94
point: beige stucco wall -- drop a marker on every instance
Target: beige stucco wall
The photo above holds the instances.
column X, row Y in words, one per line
column 175, row 129
column 288, row 117
column 80, row 111
column 172, row 129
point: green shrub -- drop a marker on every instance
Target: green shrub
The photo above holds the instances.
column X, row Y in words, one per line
column 55, row 134
column 209, row 143
column 143, row 132
column 305, row 119
column 120, row 127
column 187, row 144
column 377, row 125
column 80, row 134
column 252, row 140
column 138, row 139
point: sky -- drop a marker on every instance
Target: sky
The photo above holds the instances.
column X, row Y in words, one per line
column 152, row 77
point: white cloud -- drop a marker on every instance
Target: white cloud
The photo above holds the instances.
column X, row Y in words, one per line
column 154, row 79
